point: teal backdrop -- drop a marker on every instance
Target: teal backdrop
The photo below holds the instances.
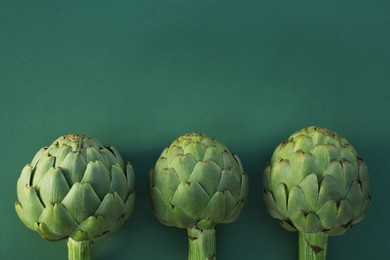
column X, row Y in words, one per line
column 138, row 74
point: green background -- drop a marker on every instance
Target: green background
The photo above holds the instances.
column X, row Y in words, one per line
column 138, row 74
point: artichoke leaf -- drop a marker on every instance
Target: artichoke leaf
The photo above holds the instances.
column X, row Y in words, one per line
column 309, row 187
column 281, row 172
column 53, row 187
column 183, row 165
column 98, row 176
column 327, row 215
column 56, row 222
column 24, row 179
column 167, row 181
column 312, row 224
column 303, row 164
column 81, row 201
column 29, row 207
column 130, row 176
column 191, row 198
column 216, row 209
column 93, row 154
column 129, row 205
column 208, row 175
column 43, row 165
column 329, row 190
column 119, row 182
column 73, row 166
column 230, row 181
column 111, row 208
column 176, row 216
column 197, row 150
column 38, row 156
column 212, row 154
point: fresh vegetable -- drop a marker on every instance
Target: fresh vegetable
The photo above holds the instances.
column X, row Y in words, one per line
column 197, row 183
column 76, row 189
column 316, row 184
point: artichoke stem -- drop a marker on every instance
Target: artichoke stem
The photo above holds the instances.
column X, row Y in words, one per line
column 79, row 250
column 312, row 246
column 201, row 244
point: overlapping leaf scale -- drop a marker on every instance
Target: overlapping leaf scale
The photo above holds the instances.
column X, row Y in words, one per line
column 24, row 180
column 42, row 166
column 217, row 208
column 81, row 201
column 129, row 205
column 196, row 149
column 173, row 152
column 350, row 173
column 109, row 157
column 92, row 228
column 60, row 154
column 281, row 172
column 303, row 164
column 297, row 201
column 220, row 147
column 183, row 166
column 267, row 177
column 167, row 181
column 336, row 171
column 38, row 156
column 176, row 216
column 206, row 142
column 53, row 187
column 106, row 216
column 208, row 175
column 158, row 203
column 214, row 155
column 73, row 166
column 55, row 222
column 161, row 164
column 234, row 213
column 92, row 154
column 329, row 190
column 348, row 153
column 230, row 181
column 230, row 162
column 283, row 151
column 119, row 182
column 356, row 199
column 302, row 142
column 324, row 153
column 244, row 187
column 130, row 175
column 308, row 223
column 363, row 176
column 98, row 176
column 191, row 198
column 309, row 187
column 29, row 207
column 280, row 195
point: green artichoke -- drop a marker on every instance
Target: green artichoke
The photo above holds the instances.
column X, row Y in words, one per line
column 76, row 189
column 197, row 183
column 316, row 184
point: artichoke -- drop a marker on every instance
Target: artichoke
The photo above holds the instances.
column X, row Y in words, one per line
column 316, row 184
column 197, row 183
column 76, row 189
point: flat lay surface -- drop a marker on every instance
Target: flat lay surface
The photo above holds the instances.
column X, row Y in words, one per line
column 139, row 74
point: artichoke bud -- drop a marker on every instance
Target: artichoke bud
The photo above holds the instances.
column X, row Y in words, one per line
column 316, row 182
column 197, row 182
column 75, row 188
